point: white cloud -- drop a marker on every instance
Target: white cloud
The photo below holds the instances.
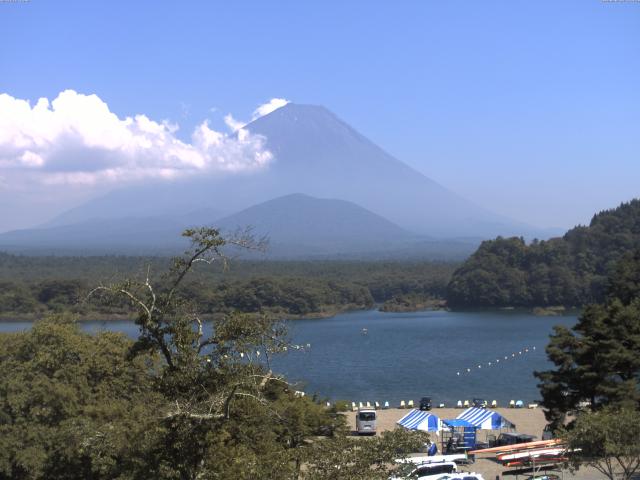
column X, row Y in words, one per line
column 267, row 108
column 76, row 139
column 261, row 111
column 232, row 123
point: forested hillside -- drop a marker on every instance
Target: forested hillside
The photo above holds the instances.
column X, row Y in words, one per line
column 570, row 270
column 36, row 286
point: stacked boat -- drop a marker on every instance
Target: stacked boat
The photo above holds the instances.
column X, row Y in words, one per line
column 544, row 452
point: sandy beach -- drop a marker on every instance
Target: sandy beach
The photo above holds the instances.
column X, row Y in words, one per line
column 529, row 421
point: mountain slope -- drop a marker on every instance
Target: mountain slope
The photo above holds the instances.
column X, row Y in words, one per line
column 298, row 224
column 317, row 154
column 129, row 235
column 324, row 156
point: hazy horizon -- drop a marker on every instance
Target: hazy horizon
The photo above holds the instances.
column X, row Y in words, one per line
column 529, row 110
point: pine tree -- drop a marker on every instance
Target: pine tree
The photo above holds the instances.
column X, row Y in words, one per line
column 598, row 360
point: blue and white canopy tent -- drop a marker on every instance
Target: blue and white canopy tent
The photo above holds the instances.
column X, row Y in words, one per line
column 420, row 420
column 484, row 419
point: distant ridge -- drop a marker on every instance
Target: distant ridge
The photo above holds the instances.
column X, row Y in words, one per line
column 127, row 235
column 298, row 226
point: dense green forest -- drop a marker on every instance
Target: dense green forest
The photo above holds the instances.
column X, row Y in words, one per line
column 570, row 270
column 34, row 286
column 598, row 359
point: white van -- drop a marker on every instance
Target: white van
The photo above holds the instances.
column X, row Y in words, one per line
column 427, row 471
column 366, row 421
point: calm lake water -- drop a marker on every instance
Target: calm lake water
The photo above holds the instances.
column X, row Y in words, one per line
column 405, row 356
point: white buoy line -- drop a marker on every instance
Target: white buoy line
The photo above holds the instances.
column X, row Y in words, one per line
column 495, row 363
column 281, row 349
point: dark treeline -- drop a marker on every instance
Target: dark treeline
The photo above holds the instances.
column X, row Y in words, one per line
column 35, row 286
column 571, row 270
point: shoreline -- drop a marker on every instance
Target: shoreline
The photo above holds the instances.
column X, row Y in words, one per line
column 9, row 317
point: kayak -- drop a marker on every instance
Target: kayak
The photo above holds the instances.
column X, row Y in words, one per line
column 519, row 446
column 534, row 452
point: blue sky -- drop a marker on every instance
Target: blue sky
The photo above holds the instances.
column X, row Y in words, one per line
column 531, row 109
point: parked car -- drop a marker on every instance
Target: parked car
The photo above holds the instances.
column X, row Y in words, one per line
column 511, row 438
column 547, row 433
column 366, row 422
column 426, row 471
column 463, row 476
column 480, row 403
column 434, row 471
column 425, row 403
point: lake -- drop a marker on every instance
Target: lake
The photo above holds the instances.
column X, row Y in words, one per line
column 402, row 356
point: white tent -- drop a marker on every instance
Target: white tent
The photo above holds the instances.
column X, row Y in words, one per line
column 420, row 420
column 485, row 419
